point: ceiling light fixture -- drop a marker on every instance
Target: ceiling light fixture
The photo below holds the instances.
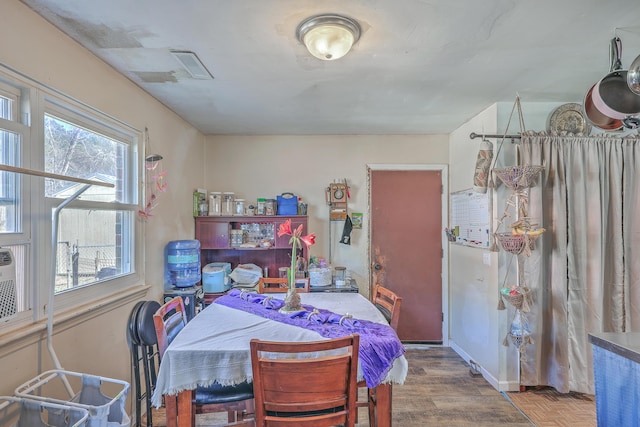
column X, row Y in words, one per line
column 328, row 37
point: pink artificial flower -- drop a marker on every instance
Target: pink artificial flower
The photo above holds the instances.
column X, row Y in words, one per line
column 309, row 239
column 296, row 238
column 285, row 228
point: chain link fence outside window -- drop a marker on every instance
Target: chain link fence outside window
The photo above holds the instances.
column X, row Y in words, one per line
column 81, row 265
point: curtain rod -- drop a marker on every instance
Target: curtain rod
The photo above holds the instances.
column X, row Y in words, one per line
column 474, row 135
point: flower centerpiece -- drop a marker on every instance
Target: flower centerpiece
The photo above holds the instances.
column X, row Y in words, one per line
column 292, row 299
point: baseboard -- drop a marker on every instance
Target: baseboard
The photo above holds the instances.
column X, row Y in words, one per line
column 491, row 379
column 418, row 346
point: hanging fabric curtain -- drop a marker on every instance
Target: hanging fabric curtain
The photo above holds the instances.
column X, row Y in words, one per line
column 584, row 274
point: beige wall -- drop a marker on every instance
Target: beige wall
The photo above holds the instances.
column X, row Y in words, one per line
column 95, row 341
column 266, row 166
column 475, row 323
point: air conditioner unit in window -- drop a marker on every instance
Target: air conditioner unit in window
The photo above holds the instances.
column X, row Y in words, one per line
column 7, row 285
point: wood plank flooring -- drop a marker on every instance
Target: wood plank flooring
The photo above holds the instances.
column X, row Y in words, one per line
column 440, row 391
column 549, row 408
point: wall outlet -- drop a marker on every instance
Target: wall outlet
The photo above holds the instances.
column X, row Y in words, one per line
column 486, row 258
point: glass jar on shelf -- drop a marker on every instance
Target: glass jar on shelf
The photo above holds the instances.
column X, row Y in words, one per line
column 203, row 208
column 239, row 207
column 215, row 203
column 237, row 238
column 260, row 208
column 339, row 276
column 270, row 207
column 227, row 203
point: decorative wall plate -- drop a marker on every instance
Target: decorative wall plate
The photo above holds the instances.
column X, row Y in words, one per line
column 569, row 118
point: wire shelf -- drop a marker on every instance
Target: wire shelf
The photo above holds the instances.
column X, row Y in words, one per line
column 516, row 243
column 517, row 298
column 519, row 177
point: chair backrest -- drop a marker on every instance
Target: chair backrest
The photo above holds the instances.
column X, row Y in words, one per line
column 299, row 387
column 388, row 303
column 274, row 285
column 169, row 319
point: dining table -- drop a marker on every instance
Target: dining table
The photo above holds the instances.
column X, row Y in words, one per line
column 214, row 345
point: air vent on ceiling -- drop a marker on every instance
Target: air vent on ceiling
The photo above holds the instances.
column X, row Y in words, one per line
column 192, row 64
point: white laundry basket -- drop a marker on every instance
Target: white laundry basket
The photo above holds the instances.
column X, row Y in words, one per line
column 104, row 398
column 21, row 412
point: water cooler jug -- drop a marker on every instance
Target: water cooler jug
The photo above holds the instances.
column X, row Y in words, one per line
column 182, row 264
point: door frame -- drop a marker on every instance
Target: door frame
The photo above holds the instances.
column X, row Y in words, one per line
column 444, row 169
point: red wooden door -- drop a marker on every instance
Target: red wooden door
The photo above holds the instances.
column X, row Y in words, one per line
column 406, row 247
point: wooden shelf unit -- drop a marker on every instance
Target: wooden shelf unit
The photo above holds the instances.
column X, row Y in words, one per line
column 214, row 233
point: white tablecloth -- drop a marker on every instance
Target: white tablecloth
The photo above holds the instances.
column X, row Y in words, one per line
column 214, row 346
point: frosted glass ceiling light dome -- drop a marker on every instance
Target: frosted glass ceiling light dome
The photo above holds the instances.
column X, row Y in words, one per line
column 328, row 37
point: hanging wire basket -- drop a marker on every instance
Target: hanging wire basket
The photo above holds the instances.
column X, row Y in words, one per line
column 516, row 243
column 519, row 177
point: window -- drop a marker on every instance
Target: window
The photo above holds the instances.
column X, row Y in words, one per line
column 12, row 133
column 9, row 149
column 95, row 240
column 93, row 252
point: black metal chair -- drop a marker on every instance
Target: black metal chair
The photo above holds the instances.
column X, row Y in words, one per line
column 145, row 360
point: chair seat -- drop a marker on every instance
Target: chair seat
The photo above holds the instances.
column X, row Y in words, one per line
column 216, row 393
column 306, row 414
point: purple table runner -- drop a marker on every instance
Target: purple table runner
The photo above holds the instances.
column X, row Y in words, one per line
column 379, row 344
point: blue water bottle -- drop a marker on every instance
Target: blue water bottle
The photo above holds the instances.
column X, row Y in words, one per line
column 182, row 263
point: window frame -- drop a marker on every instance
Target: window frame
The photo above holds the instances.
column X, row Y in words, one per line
column 36, row 100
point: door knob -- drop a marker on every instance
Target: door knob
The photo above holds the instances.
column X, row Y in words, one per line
column 377, row 266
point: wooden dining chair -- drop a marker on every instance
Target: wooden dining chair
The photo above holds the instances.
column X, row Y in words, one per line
column 277, row 285
column 236, row 400
column 294, row 386
column 388, row 302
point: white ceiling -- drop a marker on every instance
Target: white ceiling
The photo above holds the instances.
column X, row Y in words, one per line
column 420, row 66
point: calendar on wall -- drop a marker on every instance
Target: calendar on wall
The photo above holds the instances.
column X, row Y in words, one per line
column 470, row 222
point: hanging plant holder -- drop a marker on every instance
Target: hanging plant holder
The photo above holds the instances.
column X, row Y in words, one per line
column 517, row 243
column 517, row 296
column 520, row 342
column 519, row 334
column 519, row 177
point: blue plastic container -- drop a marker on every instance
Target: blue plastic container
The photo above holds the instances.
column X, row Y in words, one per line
column 215, row 277
column 287, row 204
column 182, row 263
